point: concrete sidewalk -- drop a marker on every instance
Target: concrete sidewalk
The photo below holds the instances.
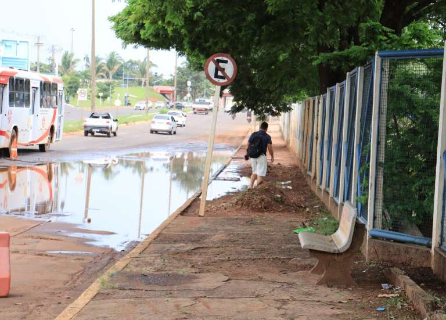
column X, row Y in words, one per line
column 225, row 267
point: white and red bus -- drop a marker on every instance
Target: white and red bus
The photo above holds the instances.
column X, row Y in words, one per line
column 31, row 108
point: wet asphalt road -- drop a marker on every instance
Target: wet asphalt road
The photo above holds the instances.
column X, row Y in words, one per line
column 136, row 137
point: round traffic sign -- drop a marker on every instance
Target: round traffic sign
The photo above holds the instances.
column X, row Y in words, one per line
column 82, row 93
column 220, row 69
column 117, row 103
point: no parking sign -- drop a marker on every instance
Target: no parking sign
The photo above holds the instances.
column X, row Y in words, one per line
column 220, row 69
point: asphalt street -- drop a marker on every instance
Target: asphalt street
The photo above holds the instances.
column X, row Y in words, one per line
column 138, row 137
column 76, row 113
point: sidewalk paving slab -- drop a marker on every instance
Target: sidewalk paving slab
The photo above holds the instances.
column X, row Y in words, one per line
column 224, row 267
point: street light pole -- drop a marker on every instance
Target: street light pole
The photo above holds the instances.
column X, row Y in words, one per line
column 93, row 61
column 72, row 36
column 175, row 79
column 38, row 44
column 147, row 79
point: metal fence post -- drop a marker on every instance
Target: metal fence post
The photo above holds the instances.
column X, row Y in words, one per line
column 315, row 135
column 344, row 139
column 334, row 139
column 439, row 174
column 325, row 142
column 382, row 103
column 318, row 140
column 374, row 142
column 359, row 93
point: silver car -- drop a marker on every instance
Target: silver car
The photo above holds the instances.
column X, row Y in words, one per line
column 163, row 123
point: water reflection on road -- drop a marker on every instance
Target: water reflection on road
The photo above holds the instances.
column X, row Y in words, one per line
column 125, row 197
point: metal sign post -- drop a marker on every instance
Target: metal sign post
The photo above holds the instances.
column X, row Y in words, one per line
column 220, row 69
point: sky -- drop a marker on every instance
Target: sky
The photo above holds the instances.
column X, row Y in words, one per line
column 52, row 20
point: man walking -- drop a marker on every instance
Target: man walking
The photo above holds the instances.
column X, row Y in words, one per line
column 259, row 142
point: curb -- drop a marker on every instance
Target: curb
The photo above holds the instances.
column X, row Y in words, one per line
column 422, row 301
column 76, row 306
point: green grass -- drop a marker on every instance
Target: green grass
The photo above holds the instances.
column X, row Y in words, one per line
column 325, row 223
column 77, row 125
column 136, row 94
column 73, row 126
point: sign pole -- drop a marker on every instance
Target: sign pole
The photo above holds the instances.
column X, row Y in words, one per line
column 210, row 150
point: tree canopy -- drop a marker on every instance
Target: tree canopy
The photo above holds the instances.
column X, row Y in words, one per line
column 285, row 49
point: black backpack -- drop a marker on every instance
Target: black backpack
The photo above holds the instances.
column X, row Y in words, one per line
column 255, row 149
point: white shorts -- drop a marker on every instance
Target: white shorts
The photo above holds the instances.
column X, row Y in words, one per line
column 259, row 165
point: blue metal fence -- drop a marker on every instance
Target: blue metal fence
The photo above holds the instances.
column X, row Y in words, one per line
column 409, row 99
column 329, row 138
column 322, row 139
column 363, row 149
column 310, row 156
column 351, row 128
column 338, row 142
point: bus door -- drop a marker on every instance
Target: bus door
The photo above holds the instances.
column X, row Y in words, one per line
column 2, row 89
column 36, row 130
column 60, row 114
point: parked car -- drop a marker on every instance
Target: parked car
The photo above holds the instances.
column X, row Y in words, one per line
column 160, row 104
column 101, row 123
column 180, row 117
column 163, row 123
column 180, row 105
column 201, row 106
column 141, row 105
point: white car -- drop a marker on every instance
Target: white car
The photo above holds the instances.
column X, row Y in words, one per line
column 101, row 123
column 179, row 117
column 160, row 104
column 141, row 105
column 163, row 123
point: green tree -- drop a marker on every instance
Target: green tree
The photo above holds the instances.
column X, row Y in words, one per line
column 71, row 84
column 105, row 88
column 100, row 67
column 112, row 63
column 200, row 86
column 44, row 67
column 284, row 49
column 68, row 64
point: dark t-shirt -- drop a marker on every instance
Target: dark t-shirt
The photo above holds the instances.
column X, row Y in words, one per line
column 266, row 139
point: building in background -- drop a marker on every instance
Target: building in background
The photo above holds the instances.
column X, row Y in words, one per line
column 15, row 53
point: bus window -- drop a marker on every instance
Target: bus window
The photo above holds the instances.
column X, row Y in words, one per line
column 26, row 96
column 54, row 95
column 19, row 102
column 33, row 102
column 1, row 98
column 11, row 99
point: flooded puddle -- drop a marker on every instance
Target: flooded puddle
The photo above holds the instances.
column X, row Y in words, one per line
column 124, row 198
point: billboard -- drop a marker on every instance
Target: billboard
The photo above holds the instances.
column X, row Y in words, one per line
column 15, row 53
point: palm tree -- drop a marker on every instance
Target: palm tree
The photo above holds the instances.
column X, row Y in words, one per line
column 100, row 70
column 68, row 64
column 112, row 64
column 140, row 69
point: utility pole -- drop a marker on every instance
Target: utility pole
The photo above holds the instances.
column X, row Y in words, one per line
column 72, row 36
column 93, row 61
column 53, row 59
column 147, row 79
column 38, row 44
column 175, row 79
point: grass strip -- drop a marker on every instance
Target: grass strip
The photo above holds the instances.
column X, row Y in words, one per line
column 78, row 125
